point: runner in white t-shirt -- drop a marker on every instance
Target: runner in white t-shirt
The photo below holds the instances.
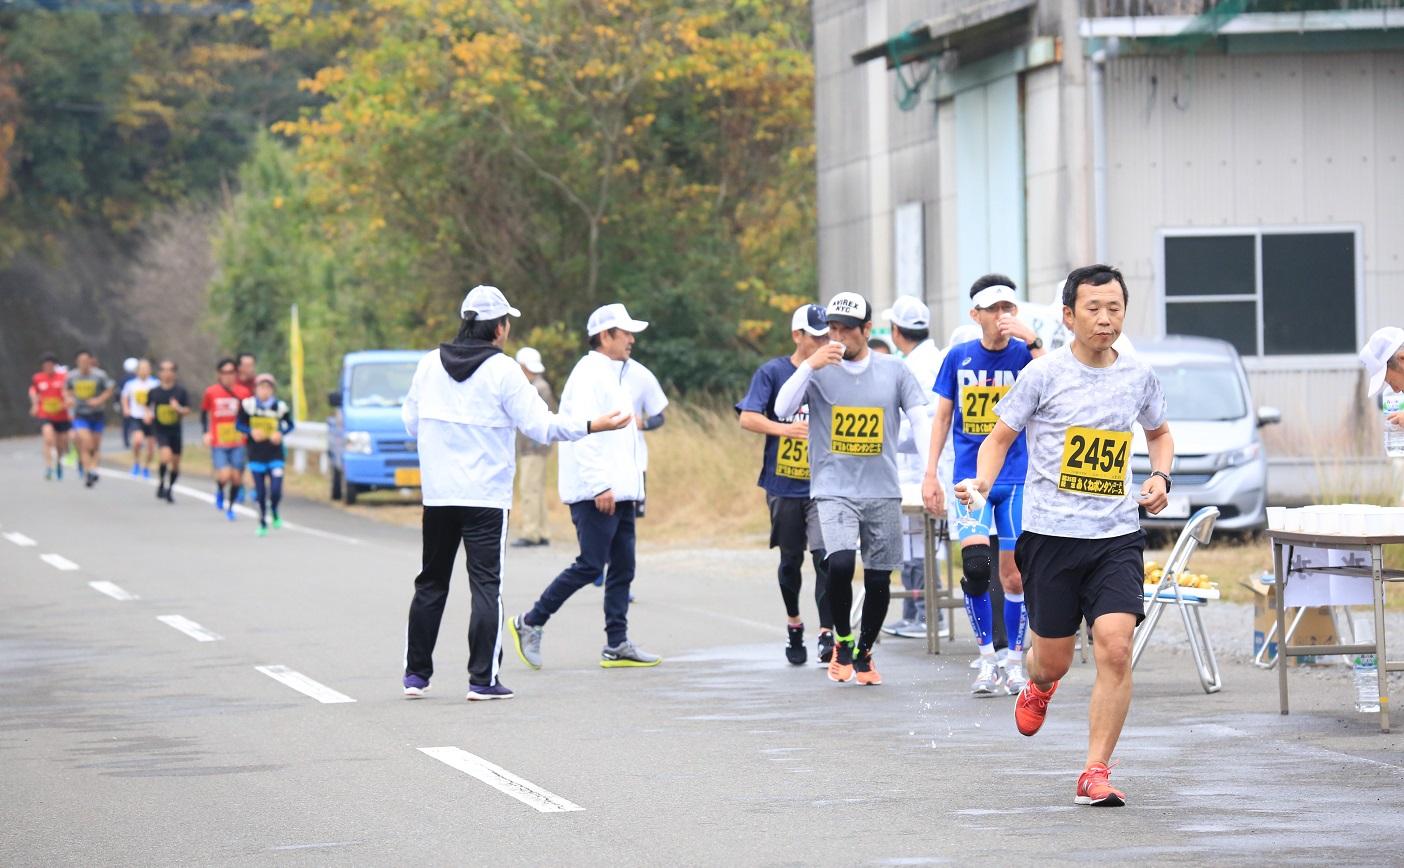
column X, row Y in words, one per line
column 1081, row 552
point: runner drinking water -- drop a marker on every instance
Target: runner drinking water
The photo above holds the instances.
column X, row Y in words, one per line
column 88, row 391
column 166, row 407
column 974, row 376
column 1081, row 553
column 856, row 398
column 134, row 416
column 266, row 420
column 794, row 517
column 46, row 404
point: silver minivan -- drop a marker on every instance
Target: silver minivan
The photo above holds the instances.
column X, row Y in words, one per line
column 1219, row 458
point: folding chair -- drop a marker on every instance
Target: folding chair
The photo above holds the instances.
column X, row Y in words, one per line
column 1198, row 531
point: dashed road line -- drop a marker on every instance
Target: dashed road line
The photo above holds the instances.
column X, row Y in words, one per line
column 304, row 685
column 19, row 539
column 500, row 779
column 189, row 628
column 58, row 562
column 116, row 592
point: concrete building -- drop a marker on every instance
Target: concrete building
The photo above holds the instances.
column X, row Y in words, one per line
column 1241, row 161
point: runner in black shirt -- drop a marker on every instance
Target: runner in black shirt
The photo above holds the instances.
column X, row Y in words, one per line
column 166, row 407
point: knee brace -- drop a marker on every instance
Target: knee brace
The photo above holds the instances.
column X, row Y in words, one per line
column 976, row 566
column 842, row 562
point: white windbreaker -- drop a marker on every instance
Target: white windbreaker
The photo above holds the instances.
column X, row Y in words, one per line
column 608, row 460
column 466, row 430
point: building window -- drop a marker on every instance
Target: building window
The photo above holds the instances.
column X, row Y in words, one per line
column 1268, row 292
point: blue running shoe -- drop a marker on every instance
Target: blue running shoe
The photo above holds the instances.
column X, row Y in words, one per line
column 146, row 473
column 58, row 471
column 242, row 495
column 478, row 692
column 229, row 513
column 415, row 687
column 219, row 499
column 136, row 469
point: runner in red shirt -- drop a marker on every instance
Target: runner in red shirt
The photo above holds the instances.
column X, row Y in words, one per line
column 219, row 416
column 46, row 404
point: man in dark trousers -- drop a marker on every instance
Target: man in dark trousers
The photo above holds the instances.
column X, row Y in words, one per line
column 464, row 405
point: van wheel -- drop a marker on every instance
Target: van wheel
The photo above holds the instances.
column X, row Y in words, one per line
column 352, row 490
column 336, row 483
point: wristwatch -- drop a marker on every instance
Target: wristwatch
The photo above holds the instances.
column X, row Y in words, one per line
column 1036, row 344
column 1166, row 477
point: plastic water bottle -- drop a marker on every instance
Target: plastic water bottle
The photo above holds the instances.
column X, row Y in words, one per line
column 1393, row 434
column 1366, row 670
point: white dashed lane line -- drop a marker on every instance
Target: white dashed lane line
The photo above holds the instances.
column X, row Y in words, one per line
column 58, row 562
column 116, row 592
column 500, row 779
column 189, row 628
column 304, row 685
column 19, row 539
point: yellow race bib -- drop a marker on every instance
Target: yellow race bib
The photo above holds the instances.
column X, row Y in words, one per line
column 52, row 406
column 84, row 389
column 792, row 458
column 139, row 397
column 225, row 434
column 1095, row 462
column 266, row 424
column 167, row 415
column 977, row 404
column 857, row 431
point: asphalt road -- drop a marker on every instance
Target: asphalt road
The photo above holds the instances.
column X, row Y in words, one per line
column 124, row 740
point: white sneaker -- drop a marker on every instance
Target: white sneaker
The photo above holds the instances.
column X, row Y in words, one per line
column 989, row 680
column 1014, row 678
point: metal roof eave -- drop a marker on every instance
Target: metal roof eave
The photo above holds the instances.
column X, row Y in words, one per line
column 1245, row 24
column 939, row 34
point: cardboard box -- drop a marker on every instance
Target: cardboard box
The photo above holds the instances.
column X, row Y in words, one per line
column 1317, row 627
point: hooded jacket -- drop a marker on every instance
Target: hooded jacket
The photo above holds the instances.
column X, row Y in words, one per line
column 465, row 404
column 609, row 460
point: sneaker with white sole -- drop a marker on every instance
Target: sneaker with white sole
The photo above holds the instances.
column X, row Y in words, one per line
column 625, row 655
column 1014, row 678
column 988, row 681
column 895, row 628
column 912, row 630
column 415, row 687
column 480, row 692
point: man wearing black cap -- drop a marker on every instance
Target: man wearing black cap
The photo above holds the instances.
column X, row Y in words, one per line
column 856, row 399
column 794, row 517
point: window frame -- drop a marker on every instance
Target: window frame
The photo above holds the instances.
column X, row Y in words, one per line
column 1259, row 360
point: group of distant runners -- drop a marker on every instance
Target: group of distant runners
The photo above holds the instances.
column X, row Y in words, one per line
column 242, row 418
column 1038, row 491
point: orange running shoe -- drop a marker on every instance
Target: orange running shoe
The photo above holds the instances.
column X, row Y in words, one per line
column 867, row 670
column 841, row 665
column 1032, row 707
column 1094, row 788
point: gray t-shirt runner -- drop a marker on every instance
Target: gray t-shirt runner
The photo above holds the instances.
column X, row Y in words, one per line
column 86, row 386
column 854, row 420
column 1079, row 438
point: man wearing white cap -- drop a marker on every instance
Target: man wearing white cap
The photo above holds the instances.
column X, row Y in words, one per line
column 466, row 399
column 784, row 475
column 911, row 332
column 973, row 378
column 532, row 460
column 601, row 479
column 856, row 399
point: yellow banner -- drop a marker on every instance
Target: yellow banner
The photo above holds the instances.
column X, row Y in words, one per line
column 299, row 396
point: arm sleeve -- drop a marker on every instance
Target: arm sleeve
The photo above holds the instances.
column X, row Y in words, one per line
column 1152, row 413
column 1016, row 408
column 285, row 422
column 791, row 395
column 532, row 416
column 409, row 411
column 205, row 413
column 242, row 422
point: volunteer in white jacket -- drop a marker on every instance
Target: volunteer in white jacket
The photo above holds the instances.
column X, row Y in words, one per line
column 464, row 406
column 601, row 479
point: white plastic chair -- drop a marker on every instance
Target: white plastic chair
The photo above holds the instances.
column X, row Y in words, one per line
column 1198, row 531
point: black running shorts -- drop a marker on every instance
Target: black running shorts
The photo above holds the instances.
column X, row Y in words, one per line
column 1067, row 580
column 169, row 438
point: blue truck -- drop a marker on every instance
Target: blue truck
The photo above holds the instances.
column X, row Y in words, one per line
column 367, row 446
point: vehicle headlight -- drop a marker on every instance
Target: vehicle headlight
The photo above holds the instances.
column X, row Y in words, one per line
column 359, row 442
column 1236, row 457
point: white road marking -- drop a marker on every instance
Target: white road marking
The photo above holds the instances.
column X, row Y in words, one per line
column 58, row 562
column 189, row 628
column 245, row 511
column 500, row 779
column 113, row 591
column 304, row 685
column 19, row 539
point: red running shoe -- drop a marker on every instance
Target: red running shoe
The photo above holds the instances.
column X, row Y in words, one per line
column 1032, row 707
column 1094, row 788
